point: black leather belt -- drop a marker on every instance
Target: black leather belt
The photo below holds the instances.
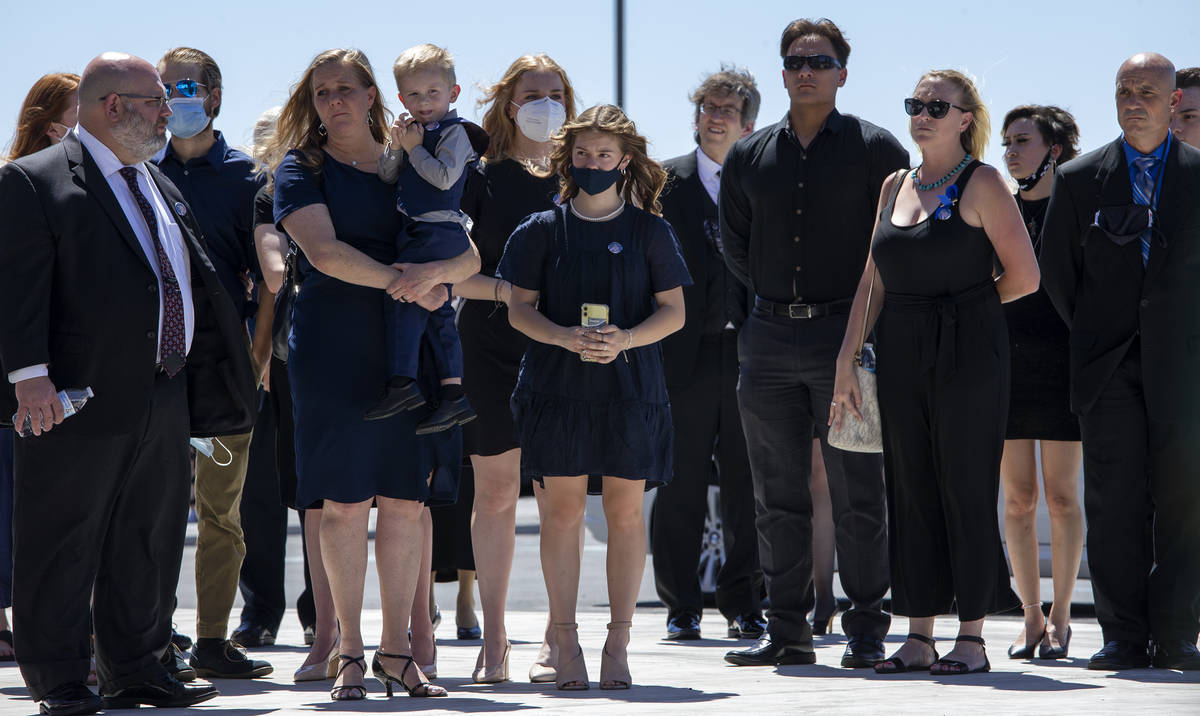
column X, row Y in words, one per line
column 802, row 310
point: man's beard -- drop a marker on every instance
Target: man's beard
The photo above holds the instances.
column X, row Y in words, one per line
column 137, row 135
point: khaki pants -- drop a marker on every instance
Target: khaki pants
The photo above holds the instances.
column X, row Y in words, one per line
column 219, row 545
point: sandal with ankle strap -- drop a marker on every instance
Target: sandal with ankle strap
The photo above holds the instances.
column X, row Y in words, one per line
column 614, row 674
column 349, row 692
column 424, row 688
column 952, row 667
column 571, row 674
column 896, row 665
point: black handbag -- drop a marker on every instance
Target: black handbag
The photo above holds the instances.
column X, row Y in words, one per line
column 285, row 300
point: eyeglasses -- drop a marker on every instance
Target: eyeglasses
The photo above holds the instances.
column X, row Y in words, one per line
column 816, row 62
column 184, row 88
column 719, row 111
column 151, row 100
column 937, row 108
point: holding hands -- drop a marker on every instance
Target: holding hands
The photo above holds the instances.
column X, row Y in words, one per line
column 407, row 132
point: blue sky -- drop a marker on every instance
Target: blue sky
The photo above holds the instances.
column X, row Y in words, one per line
column 1061, row 52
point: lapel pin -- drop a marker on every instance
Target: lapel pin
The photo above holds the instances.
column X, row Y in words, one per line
column 180, row 208
column 615, row 248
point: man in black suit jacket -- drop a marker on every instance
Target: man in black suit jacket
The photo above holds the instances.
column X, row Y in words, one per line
column 702, row 369
column 1131, row 297
column 106, row 284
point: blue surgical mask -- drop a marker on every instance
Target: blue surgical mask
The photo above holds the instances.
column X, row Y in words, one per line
column 188, row 117
column 594, row 181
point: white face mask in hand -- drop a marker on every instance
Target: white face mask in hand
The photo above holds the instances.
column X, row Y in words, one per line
column 541, row 118
column 206, row 447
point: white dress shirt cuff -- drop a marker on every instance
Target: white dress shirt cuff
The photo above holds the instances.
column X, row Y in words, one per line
column 33, row 371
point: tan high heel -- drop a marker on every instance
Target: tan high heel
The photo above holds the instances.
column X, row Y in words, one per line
column 545, row 666
column 320, row 671
column 491, row 675
column 614, row 673
column 571, row 674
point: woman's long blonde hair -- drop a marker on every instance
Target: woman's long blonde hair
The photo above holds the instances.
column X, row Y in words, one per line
column 501, row 128
column 299, row 126
column 974, row 138
column 643, row 178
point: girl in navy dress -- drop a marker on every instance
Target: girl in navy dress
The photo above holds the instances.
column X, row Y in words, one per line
column 591, row 405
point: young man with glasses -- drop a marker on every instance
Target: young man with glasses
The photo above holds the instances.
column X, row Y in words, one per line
column 219, row 183
column 701, row 369
column 798, row 203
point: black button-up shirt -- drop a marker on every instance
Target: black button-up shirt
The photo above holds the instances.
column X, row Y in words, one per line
column 796, row 222
column 220, row 187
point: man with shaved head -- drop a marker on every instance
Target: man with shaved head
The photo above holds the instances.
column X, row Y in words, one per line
column 106, row 285
column 1121, row 262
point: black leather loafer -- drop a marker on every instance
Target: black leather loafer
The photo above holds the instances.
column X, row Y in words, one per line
column 163, row 692
column 1176, row 654
column 448, row 414
column 396, row 400
column 863, row 652
column 1118, row 655
column 771, row 653
column 747, row 626
column 684, row 626
column 70, row 699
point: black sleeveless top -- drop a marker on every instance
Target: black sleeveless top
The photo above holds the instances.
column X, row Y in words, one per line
column 939, row 256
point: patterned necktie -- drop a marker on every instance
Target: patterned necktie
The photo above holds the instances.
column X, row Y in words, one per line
column 1143, row 192
column 173, row 339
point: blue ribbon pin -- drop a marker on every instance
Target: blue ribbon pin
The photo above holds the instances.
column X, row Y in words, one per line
column 947, row 200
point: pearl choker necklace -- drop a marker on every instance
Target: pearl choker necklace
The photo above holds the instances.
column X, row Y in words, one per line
column 606, row 217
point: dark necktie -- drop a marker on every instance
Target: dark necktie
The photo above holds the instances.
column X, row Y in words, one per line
column 1143, row 195
column 173, row 341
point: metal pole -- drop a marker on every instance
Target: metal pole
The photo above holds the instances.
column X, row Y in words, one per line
column 620, row 20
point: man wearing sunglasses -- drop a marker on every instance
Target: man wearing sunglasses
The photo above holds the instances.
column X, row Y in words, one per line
column 219, row 184
column 106, row 284
column 701, row 367
column 1121, row 262
column 798, row 202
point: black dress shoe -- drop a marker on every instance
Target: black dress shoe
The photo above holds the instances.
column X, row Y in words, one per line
column 1176, row 654
column 469, row 633
column 183, row 641
column 747, row 626
column 222, row 659
column 684, row 626
column 448, row 414
column 770, row 653
column 1117, row 655
column 863, row 652
column 176, row 665
column 70, row 699
column 396, row 399
column 163, row 692
column 253, row 635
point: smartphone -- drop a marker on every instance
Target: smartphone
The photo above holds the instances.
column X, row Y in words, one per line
column 592, row 315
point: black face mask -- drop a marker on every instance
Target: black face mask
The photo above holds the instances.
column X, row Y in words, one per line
column 1029, row 182
column 594, row 181
column 1122, row 224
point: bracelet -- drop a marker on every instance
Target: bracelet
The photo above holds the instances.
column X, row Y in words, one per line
column 630, row 344
column 1031, row 606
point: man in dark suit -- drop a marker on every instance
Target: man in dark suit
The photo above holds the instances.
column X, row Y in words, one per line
column 106, row 284
column 1121, row 262
column 702, row 369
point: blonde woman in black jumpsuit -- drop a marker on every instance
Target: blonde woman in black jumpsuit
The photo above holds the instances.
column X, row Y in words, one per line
column 943, row 371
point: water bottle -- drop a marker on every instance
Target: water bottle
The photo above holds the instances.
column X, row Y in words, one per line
column 72, row 399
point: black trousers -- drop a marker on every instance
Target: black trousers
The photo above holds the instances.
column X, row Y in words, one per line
column 99, row 522
column 264, row 526
column 1142, row 500
column 707, row 422
column 784, row 390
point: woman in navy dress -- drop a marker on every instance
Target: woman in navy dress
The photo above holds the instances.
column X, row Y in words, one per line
column 591, row 405
column 942, row 371
column 329, row 200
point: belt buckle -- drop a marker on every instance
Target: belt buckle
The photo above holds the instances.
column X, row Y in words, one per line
column 805, row 310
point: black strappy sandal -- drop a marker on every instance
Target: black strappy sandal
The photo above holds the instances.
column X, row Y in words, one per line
column 423, row 688
column 952, row 667
column 349, row 692
column 896, row 665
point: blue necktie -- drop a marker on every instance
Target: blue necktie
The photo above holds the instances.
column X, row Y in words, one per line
column 1143, row 191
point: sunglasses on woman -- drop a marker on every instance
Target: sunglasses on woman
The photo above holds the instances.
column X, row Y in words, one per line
column 937, row 108
column 817, row 62
column 183, row 88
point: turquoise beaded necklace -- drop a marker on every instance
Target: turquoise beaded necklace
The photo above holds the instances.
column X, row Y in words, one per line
column 929, row 187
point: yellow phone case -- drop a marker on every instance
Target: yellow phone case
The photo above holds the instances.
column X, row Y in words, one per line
column 592, row 315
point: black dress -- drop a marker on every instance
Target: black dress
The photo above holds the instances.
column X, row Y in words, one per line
column 498, row 197
column 578, row 418
column 1039, row 406
column 943, row 398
